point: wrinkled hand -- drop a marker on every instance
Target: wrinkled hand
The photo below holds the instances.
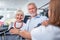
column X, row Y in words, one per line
column 45, row 23
column 14, row 31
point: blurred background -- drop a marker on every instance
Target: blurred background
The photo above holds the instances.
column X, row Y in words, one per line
column 8, row 8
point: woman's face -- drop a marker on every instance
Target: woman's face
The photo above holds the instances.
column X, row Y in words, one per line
column 19, row 17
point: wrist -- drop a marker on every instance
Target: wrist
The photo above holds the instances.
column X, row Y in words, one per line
column 18, row 32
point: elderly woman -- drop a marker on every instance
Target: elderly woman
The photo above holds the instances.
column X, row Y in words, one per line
column 18, row 24
column 19, row 20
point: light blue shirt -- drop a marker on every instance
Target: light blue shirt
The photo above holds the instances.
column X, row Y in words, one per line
column 45, row 33
column 33, row 22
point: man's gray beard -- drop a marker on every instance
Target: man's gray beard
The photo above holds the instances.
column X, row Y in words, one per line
column 32, row 15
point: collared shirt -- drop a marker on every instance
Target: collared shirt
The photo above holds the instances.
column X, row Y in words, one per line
column 33, row 22
column 46, row 33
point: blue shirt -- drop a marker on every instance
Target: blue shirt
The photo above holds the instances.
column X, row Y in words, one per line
column 33, row 22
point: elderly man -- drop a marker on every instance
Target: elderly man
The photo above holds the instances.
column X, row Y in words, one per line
column 35, row 19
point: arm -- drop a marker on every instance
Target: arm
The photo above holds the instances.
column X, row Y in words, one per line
column 24, row 33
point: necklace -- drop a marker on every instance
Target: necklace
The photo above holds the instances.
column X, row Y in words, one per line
column 19, row 26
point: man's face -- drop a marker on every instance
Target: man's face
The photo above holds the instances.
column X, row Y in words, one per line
column 32, row 10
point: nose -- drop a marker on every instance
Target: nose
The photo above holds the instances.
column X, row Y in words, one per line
column 31, row 10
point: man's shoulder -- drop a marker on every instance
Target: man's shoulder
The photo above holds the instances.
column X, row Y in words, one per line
column 40, row 16
column 43, row 16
